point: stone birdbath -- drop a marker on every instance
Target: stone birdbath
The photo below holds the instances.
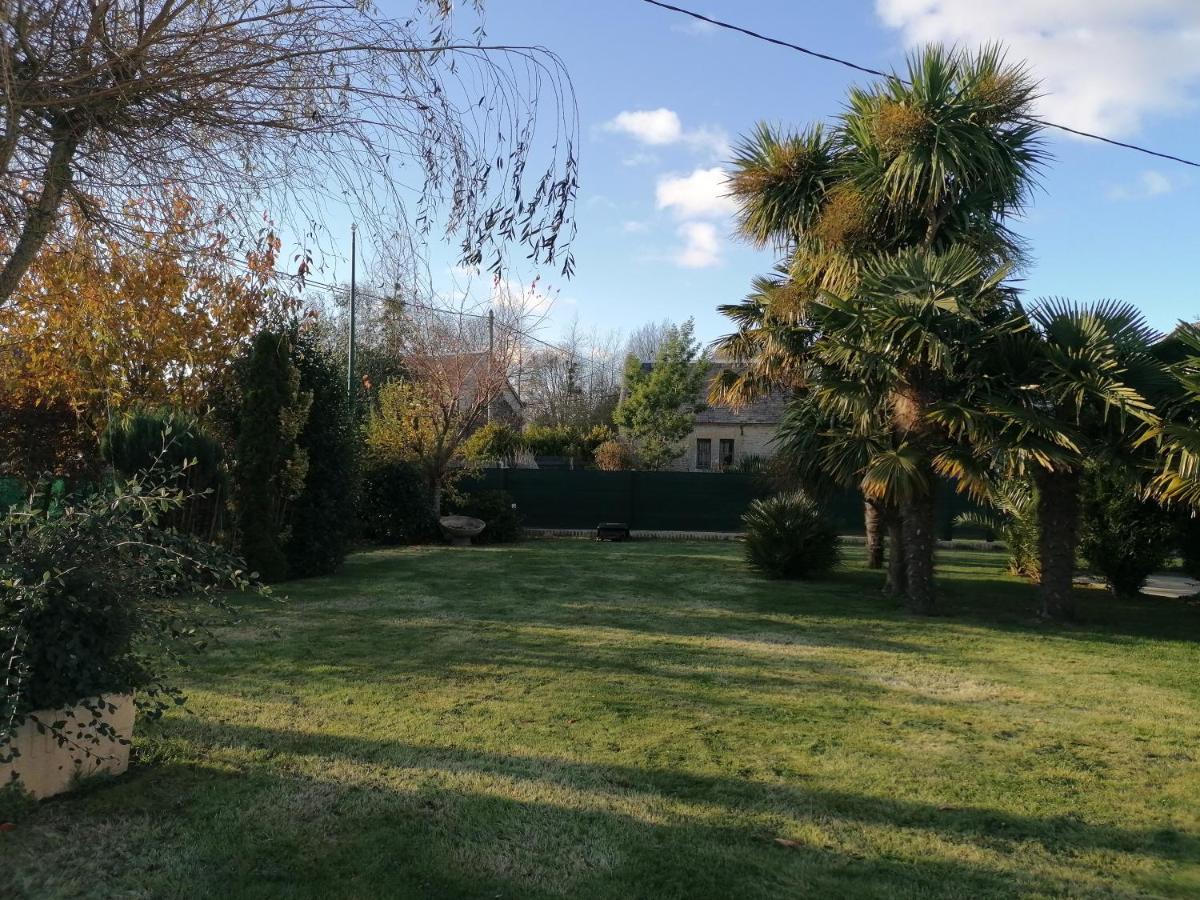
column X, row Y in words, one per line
column 460, row 529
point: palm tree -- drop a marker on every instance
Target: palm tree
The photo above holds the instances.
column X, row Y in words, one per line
column 934, row 161
column 1177, row 435
column 1075, row 380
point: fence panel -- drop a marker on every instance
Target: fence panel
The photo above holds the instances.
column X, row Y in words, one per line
column 668, row 501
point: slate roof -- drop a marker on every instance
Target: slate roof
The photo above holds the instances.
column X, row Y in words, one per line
column 766, row 411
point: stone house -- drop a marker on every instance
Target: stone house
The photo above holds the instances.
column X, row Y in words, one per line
column 723, row 436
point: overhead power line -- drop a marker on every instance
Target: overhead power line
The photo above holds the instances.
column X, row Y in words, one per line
column 729, row 26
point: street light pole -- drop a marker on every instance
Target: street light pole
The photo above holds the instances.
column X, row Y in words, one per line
column 353, row 286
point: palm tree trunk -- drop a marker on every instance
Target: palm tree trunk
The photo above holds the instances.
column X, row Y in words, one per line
column 919, row 542
column 1058, row 536
column 897, row 572
column 873, row 523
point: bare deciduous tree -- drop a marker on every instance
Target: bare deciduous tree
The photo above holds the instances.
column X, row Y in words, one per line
column 454, row 372
column 288, row 105
column 645, row 341
column 575, row 382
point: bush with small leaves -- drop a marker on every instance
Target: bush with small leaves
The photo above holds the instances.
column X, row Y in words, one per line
column 394, row 506
column 99, row 597
column 788, row 536
column 495, row 508
column 615, row 455
column 1123, row 536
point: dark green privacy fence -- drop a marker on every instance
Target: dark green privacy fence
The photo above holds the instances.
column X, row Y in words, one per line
column 667, row 501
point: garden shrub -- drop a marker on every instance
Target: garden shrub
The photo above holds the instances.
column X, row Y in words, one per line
column 270, row 466
column 144, row 440
column 1122, row 536
column 615, row 455
column 99, row 598
column 578, row 442
column 1189, row 543
column 496, row 441
column 498, row 510
column 394, row 504
column 1014, row 519
column 320, row 519
column 788, row 536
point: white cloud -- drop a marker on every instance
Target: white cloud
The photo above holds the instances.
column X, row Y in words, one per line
column 650, row 126
column 702, row 194
column 1105, row 65
column 695, row 27
column 634, row 227
column 662, row 127
column 1149, row 183
column 701, row 246
column 639, row 159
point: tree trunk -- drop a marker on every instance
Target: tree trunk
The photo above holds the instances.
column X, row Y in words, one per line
column 873, row 522
column 917, row 515
column 39, row 220
column 897, row 572
column 1058, row 535
column 435, row 499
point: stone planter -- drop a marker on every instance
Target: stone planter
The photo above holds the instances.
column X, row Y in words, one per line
column 44, row 768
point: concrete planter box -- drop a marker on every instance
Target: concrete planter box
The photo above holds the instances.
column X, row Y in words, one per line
column 45, row 769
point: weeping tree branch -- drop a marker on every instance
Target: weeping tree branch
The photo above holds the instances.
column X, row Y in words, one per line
column 296, row 106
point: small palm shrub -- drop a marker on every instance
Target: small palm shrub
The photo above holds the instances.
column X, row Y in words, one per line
column 787, row 536
column 1123, row 536
column 1014, row 518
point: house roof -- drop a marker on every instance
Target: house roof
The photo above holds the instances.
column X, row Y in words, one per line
column 766, row 410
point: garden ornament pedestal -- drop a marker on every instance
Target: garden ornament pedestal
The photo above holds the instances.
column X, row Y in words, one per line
column 44, row 768
column 460, row 529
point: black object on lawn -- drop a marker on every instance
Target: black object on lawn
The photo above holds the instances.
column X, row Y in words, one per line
column 612, row 531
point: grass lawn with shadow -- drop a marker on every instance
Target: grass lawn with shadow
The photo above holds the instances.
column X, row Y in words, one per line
column 565, row 719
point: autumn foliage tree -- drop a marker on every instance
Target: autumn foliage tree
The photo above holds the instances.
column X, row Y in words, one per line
column 100, row 324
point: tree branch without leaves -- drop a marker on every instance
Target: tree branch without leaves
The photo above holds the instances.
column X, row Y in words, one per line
column 289, row 105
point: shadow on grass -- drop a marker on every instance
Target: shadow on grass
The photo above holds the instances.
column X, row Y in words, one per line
column 990, row 828
column 275, row 833
column 269, row 830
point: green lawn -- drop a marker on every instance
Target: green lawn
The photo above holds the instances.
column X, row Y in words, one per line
column 576, row 720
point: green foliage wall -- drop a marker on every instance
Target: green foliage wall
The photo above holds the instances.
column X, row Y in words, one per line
column 162, row 442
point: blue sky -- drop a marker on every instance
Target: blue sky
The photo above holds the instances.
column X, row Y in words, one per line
column 659, row 98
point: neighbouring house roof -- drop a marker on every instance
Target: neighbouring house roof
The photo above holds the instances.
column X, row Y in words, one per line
column 767, row 410
column 477, row 362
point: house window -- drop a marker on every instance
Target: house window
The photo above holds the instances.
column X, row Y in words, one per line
column 726, row 456
column 703, row 453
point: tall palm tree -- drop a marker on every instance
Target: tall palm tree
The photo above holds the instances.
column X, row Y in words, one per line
column 934, row 161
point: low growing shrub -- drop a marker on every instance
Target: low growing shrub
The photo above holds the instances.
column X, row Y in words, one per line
column 144, row 440
column 394, row 504
column 787, row 536
column 1014, row 519
column 498, row 510
column 615, row 455
column 1123, row 536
